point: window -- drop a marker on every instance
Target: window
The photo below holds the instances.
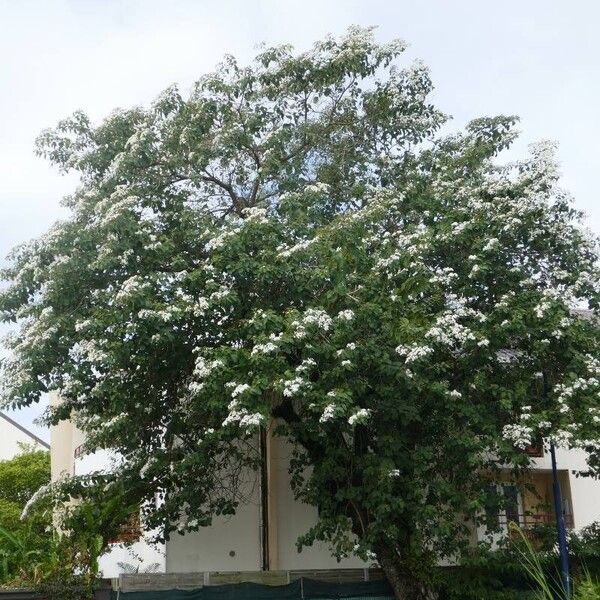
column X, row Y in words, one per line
column 511, row 504
column 502, row 506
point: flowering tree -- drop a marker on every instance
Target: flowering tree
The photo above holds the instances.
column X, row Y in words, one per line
column 296, row 243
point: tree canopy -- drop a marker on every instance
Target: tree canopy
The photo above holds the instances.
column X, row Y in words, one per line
column 297, row 242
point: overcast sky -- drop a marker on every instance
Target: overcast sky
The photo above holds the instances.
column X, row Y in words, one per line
column 539, row 59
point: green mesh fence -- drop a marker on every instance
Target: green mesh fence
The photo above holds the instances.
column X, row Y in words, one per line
column 303, row 589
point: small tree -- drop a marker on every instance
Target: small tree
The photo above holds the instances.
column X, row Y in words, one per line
column 23, row 541
column 296, row 241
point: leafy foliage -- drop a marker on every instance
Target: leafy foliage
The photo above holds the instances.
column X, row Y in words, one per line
column 23, row 475
column 23, row 541
column 585, row 543
column 296, row 245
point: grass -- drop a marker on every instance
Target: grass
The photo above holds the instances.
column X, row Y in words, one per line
column 551, row 588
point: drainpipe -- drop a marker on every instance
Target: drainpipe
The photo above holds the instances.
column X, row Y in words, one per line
column 264, row 501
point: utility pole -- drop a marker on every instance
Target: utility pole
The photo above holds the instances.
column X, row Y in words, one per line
column 563, row 548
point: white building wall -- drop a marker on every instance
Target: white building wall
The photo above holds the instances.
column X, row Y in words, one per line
column 234, row 544
column 230, row 544
column 12, row 437
column 141, row 555
column 294, row 519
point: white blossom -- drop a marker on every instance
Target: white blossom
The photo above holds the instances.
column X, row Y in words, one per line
column 329, row 413
column 492, row 244
column 360, row 417
column 42, row 492
column 240, row 415
column 203, row 368
column 267, row 348
column 239, row 389
column 318, row 317
column 292, row 387
column 413, row 353
column 519, row 434
column 346, row 315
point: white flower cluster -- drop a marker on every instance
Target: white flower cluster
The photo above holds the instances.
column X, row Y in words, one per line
column 42, row 492
column 318, row 317
column 266, row 348
column 566, row 392
column 519, row 434
column 285, row 251
column 449, row 331
column 36, row 332
column 220, row 240
column 458, row 228
column 240, row 415
column 306, row 365
column 146, row 466
column 345, row 315
column 200, row 307
column 443, row 275
column 312, row 317
column 474, row 270
column 203, row 368
column 317, row 188
column 407, row 244
column 541, row 309
column 561, row 438
column 595, row 414
column 414, row 352
column 360, row 417
column 350, row 346
column 82, row 325
column 219, row 294
column 89, row 350
column 292, row 387
column 505, row 300
column 238, row 388
column 492, row 244
column 255, row 214
column 131, row 287
column 329, row 413
column 114, row 210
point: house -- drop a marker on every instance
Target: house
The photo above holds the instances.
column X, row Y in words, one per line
column 14, row 436
column 262, row 535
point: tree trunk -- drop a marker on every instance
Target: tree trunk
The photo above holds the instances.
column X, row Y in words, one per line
column 406, row 583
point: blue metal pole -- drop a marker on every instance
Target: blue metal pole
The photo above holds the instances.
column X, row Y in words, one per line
column 561, row 530
column 563, row 548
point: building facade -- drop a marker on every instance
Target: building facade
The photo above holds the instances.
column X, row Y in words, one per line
column 262, row 534
column 253, row 539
